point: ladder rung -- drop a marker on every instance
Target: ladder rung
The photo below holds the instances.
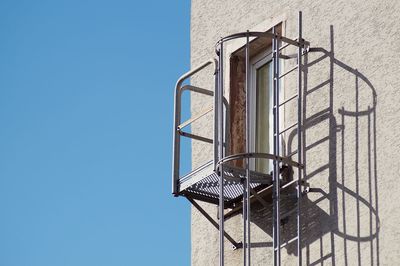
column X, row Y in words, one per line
column 288, row 100
column 290, row 56
column 286, row 129
column 285, row 46
column 287, row 214
column 288, row 242
column 289, row 71
column 288, row 196
column 288, row 184
column 291, row 154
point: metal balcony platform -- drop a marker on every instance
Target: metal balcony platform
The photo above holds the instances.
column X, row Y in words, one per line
column 203, row 184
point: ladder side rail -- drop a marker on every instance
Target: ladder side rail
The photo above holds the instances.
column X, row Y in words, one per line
column 274, row 148
column 278, row 145
column 215, row 106
column 299, row 138
column 220, row 153
column 274, row 163
column 246, row 183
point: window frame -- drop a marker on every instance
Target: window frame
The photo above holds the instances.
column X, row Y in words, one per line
column 256, row 63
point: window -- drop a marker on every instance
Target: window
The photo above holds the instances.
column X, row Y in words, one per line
column 261, row 113
column 261, row 102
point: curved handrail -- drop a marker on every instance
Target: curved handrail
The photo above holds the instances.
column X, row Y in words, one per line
column 268, row 156
column 301, row 43
column 194, row 71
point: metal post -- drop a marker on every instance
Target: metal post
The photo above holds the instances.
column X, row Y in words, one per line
column 176, row 138
column 215, row 107
column 220, row 154
column 299, row 138
column 276, row 186
column 246, row 185
column 275, row 106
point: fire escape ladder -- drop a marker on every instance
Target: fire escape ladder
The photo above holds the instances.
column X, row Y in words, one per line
column 220, row 181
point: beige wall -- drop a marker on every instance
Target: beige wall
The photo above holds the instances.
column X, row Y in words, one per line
column 352, row 138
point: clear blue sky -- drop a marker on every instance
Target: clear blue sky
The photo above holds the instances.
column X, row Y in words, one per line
column 86, row 97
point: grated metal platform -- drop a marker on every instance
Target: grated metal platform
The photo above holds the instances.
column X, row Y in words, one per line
column 203, row 184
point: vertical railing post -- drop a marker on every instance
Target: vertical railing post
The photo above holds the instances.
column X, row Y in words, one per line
column 299, row 135
column 274, row 142
column 176, row 139
column 215, row 107
column 276, row 186
column 278, row 124
column 220, row 153
column 246, row 185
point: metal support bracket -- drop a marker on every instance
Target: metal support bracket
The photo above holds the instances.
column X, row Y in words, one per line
column 235, row 245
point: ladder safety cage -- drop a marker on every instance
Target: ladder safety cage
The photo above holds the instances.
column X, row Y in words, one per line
column 220, row 182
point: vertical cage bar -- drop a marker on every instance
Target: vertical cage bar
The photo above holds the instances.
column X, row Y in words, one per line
column 215, row 107
column 276, row 186
column 278, row 124
column 274, row 144
column 244, row 211
column 299, row 138
column 220, row 154
column 246, row 190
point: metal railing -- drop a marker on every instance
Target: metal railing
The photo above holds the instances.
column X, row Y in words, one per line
column 177, row 118
column 179, row 125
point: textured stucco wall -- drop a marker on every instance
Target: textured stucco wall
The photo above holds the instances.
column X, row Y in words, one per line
column 352, row 138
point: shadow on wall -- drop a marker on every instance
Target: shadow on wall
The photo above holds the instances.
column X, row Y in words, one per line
column 342, row 215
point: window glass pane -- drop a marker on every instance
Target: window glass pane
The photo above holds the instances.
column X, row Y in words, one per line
column 263, row 112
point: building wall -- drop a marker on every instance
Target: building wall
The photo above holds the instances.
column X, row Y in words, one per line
column 352, row 129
